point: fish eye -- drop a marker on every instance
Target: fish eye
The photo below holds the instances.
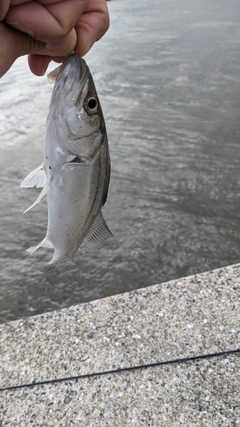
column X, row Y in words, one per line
column 91, row 105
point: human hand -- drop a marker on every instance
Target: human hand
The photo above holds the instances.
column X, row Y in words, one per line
column 49, row 29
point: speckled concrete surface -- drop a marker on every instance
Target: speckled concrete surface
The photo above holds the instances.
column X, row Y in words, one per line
column 200, row 393
column 183, row 318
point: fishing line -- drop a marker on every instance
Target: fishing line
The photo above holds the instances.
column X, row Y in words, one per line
column 120, row 370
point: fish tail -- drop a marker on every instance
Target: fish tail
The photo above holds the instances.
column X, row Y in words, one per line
column 54, row 262
column 48, row 268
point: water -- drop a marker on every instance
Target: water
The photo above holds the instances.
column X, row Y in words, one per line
column 168, row 76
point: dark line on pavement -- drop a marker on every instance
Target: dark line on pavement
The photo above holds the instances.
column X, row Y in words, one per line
column 119, row 370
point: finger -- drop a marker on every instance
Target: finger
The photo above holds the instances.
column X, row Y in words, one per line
column 38, row 64
column 4, row 6
column 13, row 44
column 92, row 26
column 39, row 61
column 46, row 22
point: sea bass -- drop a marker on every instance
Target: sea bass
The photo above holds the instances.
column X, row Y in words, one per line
column 76, row 169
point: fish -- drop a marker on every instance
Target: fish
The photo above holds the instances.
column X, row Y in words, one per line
column 75, row 173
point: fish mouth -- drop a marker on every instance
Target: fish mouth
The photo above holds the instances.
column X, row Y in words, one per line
column 72, row 77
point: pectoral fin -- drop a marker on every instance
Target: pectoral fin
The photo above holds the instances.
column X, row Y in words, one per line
column 36, row 178
column 98, row 233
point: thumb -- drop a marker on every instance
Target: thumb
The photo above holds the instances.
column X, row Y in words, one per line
column 14, row 43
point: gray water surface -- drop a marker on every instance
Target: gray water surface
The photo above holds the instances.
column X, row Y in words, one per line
column 168, row 76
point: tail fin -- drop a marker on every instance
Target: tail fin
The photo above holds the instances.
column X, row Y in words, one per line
column 48, row 268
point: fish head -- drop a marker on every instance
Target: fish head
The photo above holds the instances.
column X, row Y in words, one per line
column 75, row 114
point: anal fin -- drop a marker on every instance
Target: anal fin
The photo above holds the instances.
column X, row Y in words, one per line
column 98, row 233
column 45, row 243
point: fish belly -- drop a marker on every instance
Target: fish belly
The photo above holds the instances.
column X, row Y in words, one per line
column 75, row 199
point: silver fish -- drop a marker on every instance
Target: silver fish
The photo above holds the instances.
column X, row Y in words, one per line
column 76, row 169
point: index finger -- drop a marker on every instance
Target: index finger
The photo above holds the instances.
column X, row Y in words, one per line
column 46, row 20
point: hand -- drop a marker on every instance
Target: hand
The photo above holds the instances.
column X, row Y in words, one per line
column 49, row 29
